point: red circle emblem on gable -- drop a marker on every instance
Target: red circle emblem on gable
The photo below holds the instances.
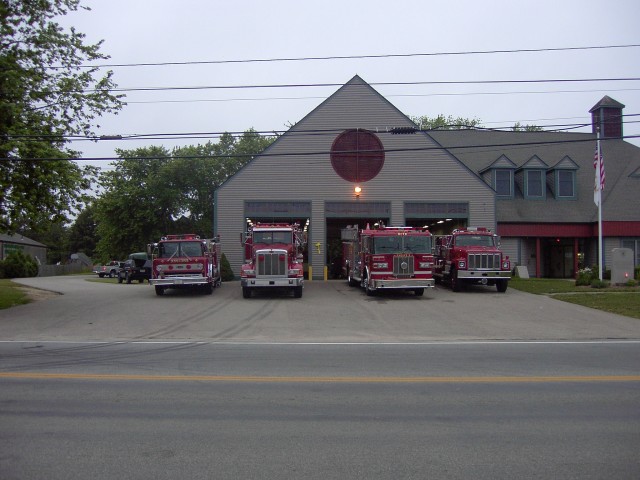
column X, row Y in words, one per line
column 357, row 155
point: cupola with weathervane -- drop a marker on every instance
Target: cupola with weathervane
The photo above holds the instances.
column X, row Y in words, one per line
column 606, row 116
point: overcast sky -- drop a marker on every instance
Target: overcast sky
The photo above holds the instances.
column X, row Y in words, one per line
column 137, row 31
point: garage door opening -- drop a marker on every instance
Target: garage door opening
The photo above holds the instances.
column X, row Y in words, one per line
column 303, row 223
column 438, row 226
column 335, row 256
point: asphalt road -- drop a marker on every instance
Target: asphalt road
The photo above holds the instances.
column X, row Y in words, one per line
column 481, row 410
column 110, row 381
column 328, row 312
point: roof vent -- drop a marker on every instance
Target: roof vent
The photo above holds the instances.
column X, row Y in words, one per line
column 606, row 117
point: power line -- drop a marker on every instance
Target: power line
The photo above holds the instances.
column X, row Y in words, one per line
column 334, row 85
column 450, row 94
column 428, row 82
column 298, row 132
column 326, row 153
column 356, row 57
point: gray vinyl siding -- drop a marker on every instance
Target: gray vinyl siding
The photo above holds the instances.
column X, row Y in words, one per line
column 511, row 246
column 408, row 174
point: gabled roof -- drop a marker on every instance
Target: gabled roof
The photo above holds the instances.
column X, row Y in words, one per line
column 502, row 162
column 565, row 164
column 534, row 163
column 20, row 240
column 621, row 196
column 356, row 87
column 606, row 102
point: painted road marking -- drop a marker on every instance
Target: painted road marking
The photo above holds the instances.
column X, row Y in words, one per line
column 311, row 379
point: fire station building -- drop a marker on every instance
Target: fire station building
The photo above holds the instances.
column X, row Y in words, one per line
column 357, row 160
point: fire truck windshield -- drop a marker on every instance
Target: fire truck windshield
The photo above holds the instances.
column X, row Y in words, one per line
column 272, row 237
column 474, row 241
column 180, row 249
column 402, row 244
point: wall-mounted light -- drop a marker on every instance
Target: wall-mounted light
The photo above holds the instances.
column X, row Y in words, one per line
column 357, row 190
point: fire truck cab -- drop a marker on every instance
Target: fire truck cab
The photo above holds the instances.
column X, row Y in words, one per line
column 388, row 258
column 185, row 261
column 471, row 255
column 273, row 256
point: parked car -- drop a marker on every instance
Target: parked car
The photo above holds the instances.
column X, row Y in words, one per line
column 136, row 267
column 110, row 270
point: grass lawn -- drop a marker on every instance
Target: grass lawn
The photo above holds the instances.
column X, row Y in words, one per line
column 11, row 295
column 620, row 300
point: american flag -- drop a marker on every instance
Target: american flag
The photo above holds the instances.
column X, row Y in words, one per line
column 598, row 185
column 599, row 176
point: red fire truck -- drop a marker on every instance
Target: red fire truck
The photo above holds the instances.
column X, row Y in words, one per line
column 388, row 258
column 273, row 255
column 471, row 255
column 185, row 261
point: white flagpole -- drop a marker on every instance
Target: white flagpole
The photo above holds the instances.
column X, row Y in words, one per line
column 599, row 187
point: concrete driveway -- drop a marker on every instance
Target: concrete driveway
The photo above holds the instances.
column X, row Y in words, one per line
column 327, row 312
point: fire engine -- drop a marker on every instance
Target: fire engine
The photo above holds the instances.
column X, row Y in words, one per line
column 471, row 255
column 185, row 261
column 273, row 258
column 382, row 258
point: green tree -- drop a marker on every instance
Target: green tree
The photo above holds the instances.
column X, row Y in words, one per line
column 446, row 123
column 140, row 201
column 82, row 232
column 153, row 191
column 518, row 127
column 45, row 96
column 55, row 236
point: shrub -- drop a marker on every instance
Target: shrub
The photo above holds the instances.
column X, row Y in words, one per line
column 597, row 283
column 226, row 272
column 19, row 265
column 637, row 275
column 585, row 276
column 631, row 283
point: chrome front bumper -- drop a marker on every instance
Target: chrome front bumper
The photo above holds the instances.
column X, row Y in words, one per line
column 488, row 274
column 402, row 283
column 271, row 282
column 177, row 280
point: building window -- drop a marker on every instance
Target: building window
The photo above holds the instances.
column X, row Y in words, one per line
column 535, row 185
column 504, row 183
column 566, row 184
column 357, row 155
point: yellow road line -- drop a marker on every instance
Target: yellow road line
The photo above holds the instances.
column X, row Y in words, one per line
column 311, row 379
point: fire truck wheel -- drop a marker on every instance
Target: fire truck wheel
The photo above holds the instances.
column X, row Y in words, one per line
column 501, row 285
column 159, row 290
column 455, row 283
column 419, row 292
column 246, row 292
column 370, row 291
column 297, row 292
column 351, row 281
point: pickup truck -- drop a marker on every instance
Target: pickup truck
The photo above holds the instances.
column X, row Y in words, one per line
column 110, row 270
column 136, row 267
